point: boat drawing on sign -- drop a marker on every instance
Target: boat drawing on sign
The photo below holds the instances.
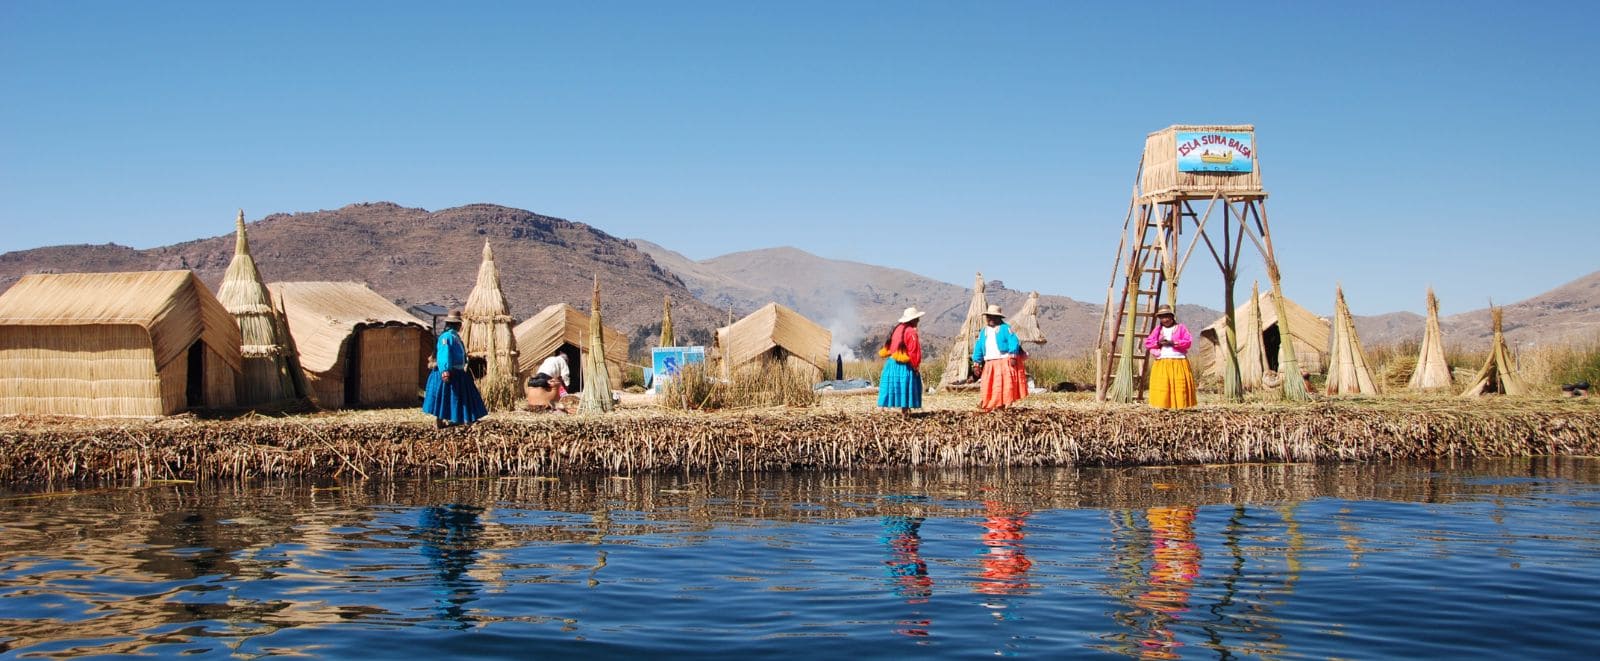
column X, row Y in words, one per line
column 1208, row 157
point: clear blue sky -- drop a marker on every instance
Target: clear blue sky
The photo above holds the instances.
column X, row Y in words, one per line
column 1403, row 143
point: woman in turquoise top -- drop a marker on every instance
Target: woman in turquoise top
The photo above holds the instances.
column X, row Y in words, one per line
column 452, row 398
column 999, row 356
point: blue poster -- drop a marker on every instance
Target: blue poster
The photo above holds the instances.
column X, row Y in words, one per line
column 666, row 361
column 1216, row 152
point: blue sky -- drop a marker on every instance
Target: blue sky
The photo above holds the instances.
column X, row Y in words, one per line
column 1403, row 143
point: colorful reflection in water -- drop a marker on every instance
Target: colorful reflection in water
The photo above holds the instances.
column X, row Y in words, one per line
column 1258, row 561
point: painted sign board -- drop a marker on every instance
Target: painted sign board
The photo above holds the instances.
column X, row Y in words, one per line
column 1217, row 151
column 666, row 361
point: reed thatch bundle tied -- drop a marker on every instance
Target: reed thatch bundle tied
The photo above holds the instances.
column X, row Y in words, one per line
column 667, row 340
column 596, row 396
column 1431, row 372
column 1348, row 370
column 958, row 360
column 1499, row 373
column 486, row 332
column 267, row 375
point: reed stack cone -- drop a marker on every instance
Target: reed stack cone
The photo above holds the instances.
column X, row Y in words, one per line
column 958, row 360
column 1499, row 373
column 596, row 396
column 1348, row 370
column 1431, row 372
column 266, row 377
column 486, row 332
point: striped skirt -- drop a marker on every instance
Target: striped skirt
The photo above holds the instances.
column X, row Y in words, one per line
column 1172, row 384
column 899, row 386
column 1004, row 381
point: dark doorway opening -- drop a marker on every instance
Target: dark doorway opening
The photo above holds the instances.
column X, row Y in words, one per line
column 194, row 387
column 1270, row 340
column 352, row 369
column 575, row 366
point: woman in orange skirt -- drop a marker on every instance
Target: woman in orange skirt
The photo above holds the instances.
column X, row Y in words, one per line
column 998, row 351
column 1171, row 380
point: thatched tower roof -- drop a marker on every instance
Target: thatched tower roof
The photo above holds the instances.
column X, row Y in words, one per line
column 266, row 375
column 1499, row 372
column 775, row 327
column 1026, row 322
column 1348, row 370
column 957, row 360
column 173, row 306
column 1431, row 372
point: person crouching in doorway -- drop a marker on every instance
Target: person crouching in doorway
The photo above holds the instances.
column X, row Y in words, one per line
column 1171, row 380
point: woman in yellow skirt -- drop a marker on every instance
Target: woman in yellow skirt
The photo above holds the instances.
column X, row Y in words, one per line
column 1171, row 380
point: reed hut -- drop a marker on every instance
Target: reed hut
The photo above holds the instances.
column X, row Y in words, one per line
column 486, row 332
column 775, row 336
column 266, row 377
column 1257, row 323
column 565, row 328
column 115, row 345
column 1348, row 370
column 1499, row 373
column 1026, row 322
column 958, row 360
column 1431, row 372
column 356, row 348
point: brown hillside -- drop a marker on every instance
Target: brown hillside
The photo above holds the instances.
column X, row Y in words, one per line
column 417, row 256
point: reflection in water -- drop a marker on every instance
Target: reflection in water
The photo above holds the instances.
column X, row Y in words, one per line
column 450, row 538
column 1003, row 567
column 1203, row 566
column 908, row 572
column 1174, row 566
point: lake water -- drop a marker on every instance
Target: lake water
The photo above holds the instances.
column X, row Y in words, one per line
column 1486, row 560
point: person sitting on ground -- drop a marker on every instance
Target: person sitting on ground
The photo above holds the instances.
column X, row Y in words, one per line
column 1580, row 389
column 1171, row 381
column 549, row 384
column 1004, row 380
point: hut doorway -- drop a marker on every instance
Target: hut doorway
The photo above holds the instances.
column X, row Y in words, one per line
column 194, row 387
column 1270, row 341
column 575, row 366
column 352, row 371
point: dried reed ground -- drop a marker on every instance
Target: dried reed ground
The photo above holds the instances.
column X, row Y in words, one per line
column 844, row 431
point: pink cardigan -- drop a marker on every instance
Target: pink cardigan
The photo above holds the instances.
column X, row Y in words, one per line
column 1181, row 340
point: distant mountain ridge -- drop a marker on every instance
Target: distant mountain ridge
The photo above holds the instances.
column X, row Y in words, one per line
column 418, row 256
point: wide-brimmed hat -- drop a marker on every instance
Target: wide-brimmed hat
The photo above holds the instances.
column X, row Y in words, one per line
column 1165, row 311
column 453, row 318
column 994, row 311
column 910, row 314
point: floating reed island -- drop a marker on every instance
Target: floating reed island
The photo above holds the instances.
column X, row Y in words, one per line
column 836, row 435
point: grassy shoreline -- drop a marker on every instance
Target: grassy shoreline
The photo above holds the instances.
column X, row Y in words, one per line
column 843, row 432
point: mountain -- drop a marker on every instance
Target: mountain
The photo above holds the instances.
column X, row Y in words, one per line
column 860, row 302
column 419, row 256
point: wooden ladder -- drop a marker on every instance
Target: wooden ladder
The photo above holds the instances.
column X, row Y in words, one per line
column 1145, row 280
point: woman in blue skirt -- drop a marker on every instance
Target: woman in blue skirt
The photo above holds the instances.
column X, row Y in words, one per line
column 452, row 398
column 900, row 384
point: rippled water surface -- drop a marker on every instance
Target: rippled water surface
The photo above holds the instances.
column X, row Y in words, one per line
column 1495, row 560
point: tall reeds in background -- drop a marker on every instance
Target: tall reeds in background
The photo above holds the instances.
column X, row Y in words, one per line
column 754, row 385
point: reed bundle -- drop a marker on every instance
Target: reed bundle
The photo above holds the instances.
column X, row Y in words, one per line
column 486, row 331
column 403, row 443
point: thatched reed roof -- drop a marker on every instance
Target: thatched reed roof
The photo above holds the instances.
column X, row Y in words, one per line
column 1160, row 179
column 323, row 315
column 1311, row 333
column 1026, row 322
column 1499, row 372
column 242, row 290
column 540, row 335
column 771, row 327
column 174, row 307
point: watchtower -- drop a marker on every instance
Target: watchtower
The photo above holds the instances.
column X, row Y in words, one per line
column 1204, row 181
